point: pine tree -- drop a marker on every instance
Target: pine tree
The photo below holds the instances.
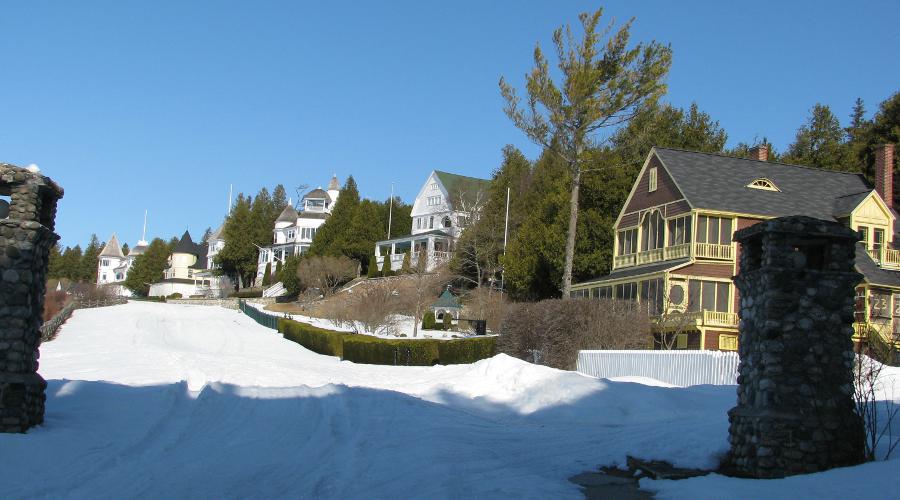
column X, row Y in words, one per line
column 279, row 199
column 239, row 256
column 407, row 263
column 267, row 275
column 54, row 270
column 206, row 234
column 278, row 270
column 819, row 142
column 148, row 268
column 330, row 235
column 604, row 84
column 90, row 260
column 287, row 274
column 70, row 263
column 372, row 267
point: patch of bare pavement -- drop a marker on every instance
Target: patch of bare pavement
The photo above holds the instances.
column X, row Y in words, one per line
column 615, row 483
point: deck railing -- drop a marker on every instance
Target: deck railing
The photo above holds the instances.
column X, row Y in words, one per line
column 886, row 257
column 713, row 251
column 698, row 318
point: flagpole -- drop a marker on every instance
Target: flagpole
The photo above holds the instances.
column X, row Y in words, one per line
column 390, row 211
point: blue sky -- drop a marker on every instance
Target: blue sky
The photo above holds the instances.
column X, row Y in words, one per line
column 162, row 105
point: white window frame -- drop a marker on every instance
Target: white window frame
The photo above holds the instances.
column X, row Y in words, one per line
column 652, row 181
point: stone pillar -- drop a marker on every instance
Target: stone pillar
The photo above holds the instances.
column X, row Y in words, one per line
column 795, row 411
column 26, row 236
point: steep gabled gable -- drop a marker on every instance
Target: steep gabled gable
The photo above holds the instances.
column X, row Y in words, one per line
column 667, row 192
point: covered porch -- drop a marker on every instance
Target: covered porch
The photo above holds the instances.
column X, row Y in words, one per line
column 435, row 246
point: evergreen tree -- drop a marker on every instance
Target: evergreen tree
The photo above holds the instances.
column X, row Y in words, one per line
column 288, row 274
column 819, row 142
column 148, row 268
column 407, row 263
column 372, row 267
column 206, row 234
column 90, row 260
column 125, row 249
column 54, row 270
column 239, row 256
column 883, row 129
column 278, row 270
column 70, row 263
column 604, row 84
column 279, row 199
column 329, row 236
column 267, row 275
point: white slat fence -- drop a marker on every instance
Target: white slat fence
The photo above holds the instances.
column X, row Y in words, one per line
column 682, row 368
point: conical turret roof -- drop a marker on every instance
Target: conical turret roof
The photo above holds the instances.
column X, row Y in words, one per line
column 186, row 245
column 334, row 185
column 112, row 248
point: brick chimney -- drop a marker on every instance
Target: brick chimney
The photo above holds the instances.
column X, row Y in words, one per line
column 760, row 153
column 884, row 173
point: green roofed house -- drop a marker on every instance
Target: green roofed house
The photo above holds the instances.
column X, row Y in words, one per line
column 439, row 214
column 447, row 303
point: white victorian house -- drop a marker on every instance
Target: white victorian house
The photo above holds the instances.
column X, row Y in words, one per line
column 189, row 273
column 439, row 215
column 113, row 265
column 295, row 227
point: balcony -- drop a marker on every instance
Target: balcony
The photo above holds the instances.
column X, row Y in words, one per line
column 887, row 258
column 713, row 251
column 434, row 259
column 700, row 250
column 685, row 320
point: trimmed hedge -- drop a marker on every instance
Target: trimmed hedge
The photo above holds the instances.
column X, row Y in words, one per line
column 250, row 294
column 377, row 351
column 315, row 339
column 470, row 350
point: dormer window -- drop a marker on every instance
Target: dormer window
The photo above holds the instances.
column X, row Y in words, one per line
column 652, row 181
column 315, row 205
column 764, row 184
column 434, row 186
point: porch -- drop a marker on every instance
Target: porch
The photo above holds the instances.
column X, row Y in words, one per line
column 436, row 247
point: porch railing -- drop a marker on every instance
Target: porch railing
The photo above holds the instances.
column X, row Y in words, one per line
column 886, row 257
column 713, row 251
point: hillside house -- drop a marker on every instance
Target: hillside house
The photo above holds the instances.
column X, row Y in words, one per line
column 113, row 265
column 674, row 252
column 439, row 215
column 188, row 272
column 294, row 229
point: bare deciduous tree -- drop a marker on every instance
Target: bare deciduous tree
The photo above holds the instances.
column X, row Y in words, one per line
column 423, row 290
column 326, row 273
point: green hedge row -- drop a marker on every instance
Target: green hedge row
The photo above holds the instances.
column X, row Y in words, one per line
column 377, row 351
column 249, row 294
column 315, row 339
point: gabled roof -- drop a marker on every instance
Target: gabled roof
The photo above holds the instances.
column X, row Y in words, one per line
column 873, row 274
column 460, row 185
column 717, row 182
column 112, row 248
column 287, row 215
column 217, row 234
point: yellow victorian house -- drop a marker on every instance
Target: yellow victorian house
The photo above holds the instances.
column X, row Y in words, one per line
column 674, row 253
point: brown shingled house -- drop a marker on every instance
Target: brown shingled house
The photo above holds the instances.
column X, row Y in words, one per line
column 674, row 251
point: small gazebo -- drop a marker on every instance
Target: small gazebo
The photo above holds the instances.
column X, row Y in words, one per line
column 447, row 303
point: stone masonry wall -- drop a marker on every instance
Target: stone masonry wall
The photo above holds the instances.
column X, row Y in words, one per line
column 26, row 237
column 795, row 411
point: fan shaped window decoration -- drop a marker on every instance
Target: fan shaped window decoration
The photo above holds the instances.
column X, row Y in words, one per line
column 763, row 183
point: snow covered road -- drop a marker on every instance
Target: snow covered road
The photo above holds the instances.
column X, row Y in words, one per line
column 160, row 400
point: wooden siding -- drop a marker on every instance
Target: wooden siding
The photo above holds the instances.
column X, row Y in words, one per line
column 677, row 208
column 665, row 189
column 711, row 342
column 725, row 271
column 629, row 220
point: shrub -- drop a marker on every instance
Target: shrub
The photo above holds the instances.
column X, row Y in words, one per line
column 551, row 332
column 315, row 339
column 376, row 351
column 247, row 294
column 54, row 302
column 428, row 321
column 448, row 321
column 267, row 275
column 372, row 308
column 406, row 267
column 326, row 273
column 175, row 295
column 372, row 271
column 454, row 352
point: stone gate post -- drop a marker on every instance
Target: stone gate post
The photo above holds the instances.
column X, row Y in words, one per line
column 795, row 410
column 26, row 237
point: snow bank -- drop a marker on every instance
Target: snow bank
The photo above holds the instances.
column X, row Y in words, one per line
column 163, row 400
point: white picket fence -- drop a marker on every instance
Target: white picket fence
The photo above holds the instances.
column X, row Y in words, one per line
column 681, row 368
